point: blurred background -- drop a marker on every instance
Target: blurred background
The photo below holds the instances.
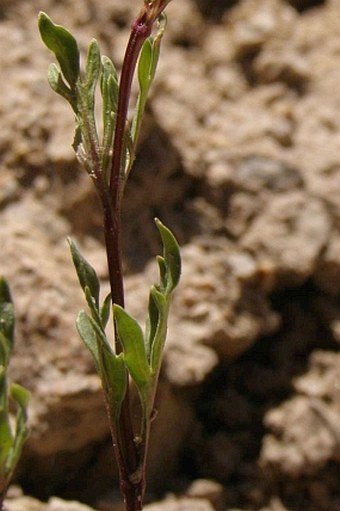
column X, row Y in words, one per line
column 240, row 156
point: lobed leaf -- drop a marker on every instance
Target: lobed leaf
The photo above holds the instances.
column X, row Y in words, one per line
column 57, row 84
column 62, row 43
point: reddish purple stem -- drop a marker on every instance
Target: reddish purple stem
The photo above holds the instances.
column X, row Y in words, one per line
column 130, row 459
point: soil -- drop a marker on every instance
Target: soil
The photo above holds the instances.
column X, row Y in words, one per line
column 240, row 156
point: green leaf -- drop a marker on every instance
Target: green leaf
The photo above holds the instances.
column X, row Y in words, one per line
column 10, row 443
column 151, row 324
column 77, row 144
column 94, row 338
column 131, row 337
column 21, row 398
column 5, row 350
column 159, row 305
column 6, row 441
column 20, row 395
column 109, row 69
column 62, row 43
column 6, row 343
column 149, row 57
column 109, row 90
column 160, row 295
column 145, row 65
column 57, row 84
column 3, row 389
column 7, row 319
column 105, row 310
column 144, row 79
column 95, row 314
column 109, row 86
column 114, row 380
column 93, row 64
column 88, row 336
column 171, row 257
column 110, row 367
column 129, row 150
column 92, row 72
column 86, row 273
column 162, row 271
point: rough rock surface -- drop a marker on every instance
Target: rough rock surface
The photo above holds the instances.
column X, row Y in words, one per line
column 24, row 503
column 240, row 155
column 305, row 429
column 182, row 504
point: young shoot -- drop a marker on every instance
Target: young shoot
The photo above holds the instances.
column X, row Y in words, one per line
column 108, row 159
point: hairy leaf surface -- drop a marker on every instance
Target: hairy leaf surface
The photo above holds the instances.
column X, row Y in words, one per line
column 62, row 43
